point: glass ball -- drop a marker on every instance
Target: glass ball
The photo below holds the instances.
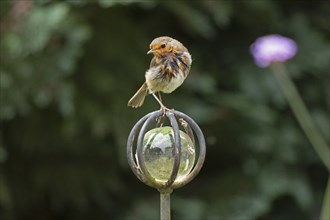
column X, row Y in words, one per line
column 158, row 153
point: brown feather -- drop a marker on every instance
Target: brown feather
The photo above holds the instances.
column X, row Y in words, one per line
column 138, row 98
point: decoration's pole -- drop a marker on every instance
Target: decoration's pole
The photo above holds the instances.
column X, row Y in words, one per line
column 165, row 205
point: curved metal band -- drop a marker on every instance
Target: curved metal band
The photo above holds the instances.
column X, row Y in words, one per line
column 130, row 142
column 151, row 181
column 202, row 150
column 177, row 149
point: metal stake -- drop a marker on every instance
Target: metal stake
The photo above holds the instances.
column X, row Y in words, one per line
column 165, row 205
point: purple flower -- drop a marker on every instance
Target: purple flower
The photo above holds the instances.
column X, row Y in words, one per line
column 272, row 48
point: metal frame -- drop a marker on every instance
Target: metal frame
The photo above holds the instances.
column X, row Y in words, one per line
column 139, row 168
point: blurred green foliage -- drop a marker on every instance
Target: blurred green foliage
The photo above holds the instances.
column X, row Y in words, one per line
column 68, row 69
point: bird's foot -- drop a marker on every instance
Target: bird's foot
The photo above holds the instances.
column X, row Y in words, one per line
column 164, row 109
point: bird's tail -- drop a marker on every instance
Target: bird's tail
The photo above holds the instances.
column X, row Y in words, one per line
column 138, row 98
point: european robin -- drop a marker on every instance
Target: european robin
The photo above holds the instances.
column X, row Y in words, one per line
column 168, row 69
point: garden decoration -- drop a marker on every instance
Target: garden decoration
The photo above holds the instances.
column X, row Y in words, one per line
column 166, row 157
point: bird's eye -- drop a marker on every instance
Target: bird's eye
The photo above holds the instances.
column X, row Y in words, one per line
column 163, row 46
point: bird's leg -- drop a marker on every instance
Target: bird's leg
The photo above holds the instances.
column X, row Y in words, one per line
column 163, row 107
column 160, row 97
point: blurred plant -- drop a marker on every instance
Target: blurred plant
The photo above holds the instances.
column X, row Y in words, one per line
column 325, row 214
column 272, row 51
column 37, row 71
column 67, row 69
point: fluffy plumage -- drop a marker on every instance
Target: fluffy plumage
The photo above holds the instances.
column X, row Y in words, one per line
column 168, row 69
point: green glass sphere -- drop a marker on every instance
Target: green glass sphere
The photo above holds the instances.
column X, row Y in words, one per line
column 158, row 152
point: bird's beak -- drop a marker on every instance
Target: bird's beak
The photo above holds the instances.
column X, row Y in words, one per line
column 150, row 51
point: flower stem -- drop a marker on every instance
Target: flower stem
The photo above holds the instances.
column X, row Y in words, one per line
column 300, row 111
column 325, row 213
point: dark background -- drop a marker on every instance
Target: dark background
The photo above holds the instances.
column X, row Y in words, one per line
column 68, row 69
